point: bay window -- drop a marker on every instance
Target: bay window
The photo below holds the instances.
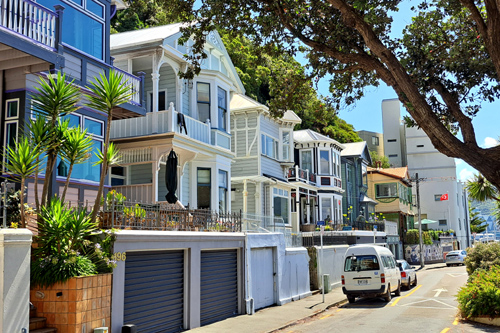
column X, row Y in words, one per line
column 222, row 101
column 203, row 101
column 204, row 188
column 280, row 203
column 324, row 162
column 306, row 160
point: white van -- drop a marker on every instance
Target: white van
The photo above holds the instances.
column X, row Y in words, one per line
column 370, row 271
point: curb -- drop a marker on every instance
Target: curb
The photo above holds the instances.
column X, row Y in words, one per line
column 309, row 316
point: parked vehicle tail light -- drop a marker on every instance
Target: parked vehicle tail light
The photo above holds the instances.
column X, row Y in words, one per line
column 382, row 278
column 403, row 274
column 343, row 280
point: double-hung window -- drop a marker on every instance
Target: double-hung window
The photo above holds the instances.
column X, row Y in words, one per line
column 204, row 187
column 203, row 101
column 324, row 162
column 280, row 202
column 306, row 160
column 11, row 125
column 269, row 146
column 222, row 191
column 285, row 145
column 222, row 101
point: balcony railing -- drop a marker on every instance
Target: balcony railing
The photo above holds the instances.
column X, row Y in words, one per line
column 29, row 19
column 221, row 139
column 135, row 84
column 159, row 123
column 301, row 175
column 139, row 193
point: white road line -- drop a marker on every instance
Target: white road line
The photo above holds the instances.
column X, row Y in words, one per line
column 439, row 291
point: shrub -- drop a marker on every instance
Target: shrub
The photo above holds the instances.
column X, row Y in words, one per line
column 482, row 255
column 412, row 237
column 481, row 295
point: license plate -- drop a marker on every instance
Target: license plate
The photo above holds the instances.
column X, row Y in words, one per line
column 362, row 282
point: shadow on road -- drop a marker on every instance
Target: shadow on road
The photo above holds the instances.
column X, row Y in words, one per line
column 368, row 303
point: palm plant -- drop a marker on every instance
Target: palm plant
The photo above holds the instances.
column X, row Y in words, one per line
column 106, row 94
column 22, row 161
column 55, row 98
column 480, row 189
column 477, row 222
column 76, row 149
column 39, row 135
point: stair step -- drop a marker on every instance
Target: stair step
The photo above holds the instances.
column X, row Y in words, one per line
column 37, row 322
column 44, row 330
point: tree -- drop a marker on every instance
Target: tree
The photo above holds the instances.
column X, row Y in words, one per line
column 477, row 222
column 106, row 94
column 22, row 160
column 76, row 149
column 444, row 66
column 379, row 159
column 55, row 98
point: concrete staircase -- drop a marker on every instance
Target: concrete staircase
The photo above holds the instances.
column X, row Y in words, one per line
column 37, row 324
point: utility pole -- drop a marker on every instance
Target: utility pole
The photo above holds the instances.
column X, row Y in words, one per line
column 417, row 181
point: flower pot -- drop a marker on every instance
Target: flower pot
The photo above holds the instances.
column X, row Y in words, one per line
column 77, row 303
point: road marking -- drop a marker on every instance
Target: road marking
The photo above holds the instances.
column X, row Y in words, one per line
column 430, row 307
column 411, row 292
column 445, row 330
column 456, row 274
column 338, row 310
column 455, row 322
column 328, row 315
column 439, row 291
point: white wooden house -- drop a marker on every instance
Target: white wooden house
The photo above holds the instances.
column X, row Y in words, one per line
column 203, row 145
column 263, row 149
column 317, row 179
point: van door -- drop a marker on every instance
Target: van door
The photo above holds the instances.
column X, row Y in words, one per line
column 361, row 272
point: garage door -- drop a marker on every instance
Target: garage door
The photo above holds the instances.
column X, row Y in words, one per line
column 219, row 285
column 262, row 277
column 154, row 291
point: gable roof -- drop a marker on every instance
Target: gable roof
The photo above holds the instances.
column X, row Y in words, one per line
column 399, row 173
column 152, row 35
column 240, row 102
column 309, row 136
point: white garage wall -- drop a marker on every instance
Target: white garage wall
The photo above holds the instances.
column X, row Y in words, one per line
column 332, row 263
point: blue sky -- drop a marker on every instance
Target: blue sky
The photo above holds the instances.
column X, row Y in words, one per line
column 367, row 113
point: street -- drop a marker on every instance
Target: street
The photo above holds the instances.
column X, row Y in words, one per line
column 429, row 307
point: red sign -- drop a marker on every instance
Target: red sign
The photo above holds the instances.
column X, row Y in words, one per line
column 444, row 197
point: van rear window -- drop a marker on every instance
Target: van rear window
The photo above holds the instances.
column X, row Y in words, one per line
column 361, row 263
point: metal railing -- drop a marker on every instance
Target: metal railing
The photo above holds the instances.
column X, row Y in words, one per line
column 137, row 216
column 135, row 85
column 329, row 238
column 29, row 19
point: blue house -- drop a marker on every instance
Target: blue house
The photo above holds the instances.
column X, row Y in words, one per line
column 38, row 38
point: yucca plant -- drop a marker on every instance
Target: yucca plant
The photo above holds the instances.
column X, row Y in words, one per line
column 22, row 160
column 54, row 98
column 76, row 149
column 106, row 93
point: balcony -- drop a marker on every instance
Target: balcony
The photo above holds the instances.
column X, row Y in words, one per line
column 300, row 175
column 170, row 121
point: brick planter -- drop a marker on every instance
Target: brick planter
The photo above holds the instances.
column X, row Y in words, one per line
column 77, row 305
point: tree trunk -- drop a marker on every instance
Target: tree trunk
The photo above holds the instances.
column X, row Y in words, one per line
column 66, row 185
column 21, row 199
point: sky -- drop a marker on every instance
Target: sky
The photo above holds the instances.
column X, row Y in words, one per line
column 367, row 113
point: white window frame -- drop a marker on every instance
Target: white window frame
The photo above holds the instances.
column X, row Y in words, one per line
column 275, row 146
column 285, row 193
column 7, row 108
column 312, row 159
column 282, row 145
column 329, row 161
column 125, row 178
column 332, row 210
column 5, row 139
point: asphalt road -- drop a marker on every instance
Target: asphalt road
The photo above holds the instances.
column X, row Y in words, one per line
column 431, row 306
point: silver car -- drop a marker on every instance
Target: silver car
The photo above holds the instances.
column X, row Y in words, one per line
column 455, row 257
column 408, row 274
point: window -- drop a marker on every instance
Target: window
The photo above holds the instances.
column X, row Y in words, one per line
column 203, row 101
column 324, row 162
column 222, row 191
column 306, row 160
column 83, row 28
column 375, row 140
column 118, row 176
column 280, row 202
column 12, row 109
column 442, row 222
column 269, row 146
column 285, row 142
column 10, row 138
column 326, row 209
column 389, row 190
column 74, row 120
column 222, row 101
column 204, row 188
column 361, row 263
column 94, row 127
column 162, row 101
column 364, row 175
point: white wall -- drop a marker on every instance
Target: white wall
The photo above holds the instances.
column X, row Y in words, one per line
column 291, row 268
column 391, row 121
column 331, row 263
column 15, row 250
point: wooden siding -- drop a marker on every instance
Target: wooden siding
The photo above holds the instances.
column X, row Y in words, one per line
column 167, row 82
column 245, row 167
column 268, row 165
column 215, row 62
column 185, row 184
column 73, row 66
column 72, row 195
column 93, row 72
column 141, row 174
column 15, row 79
column 245, row 141
column 186, row 97
column 237, row 204
column 121, row 64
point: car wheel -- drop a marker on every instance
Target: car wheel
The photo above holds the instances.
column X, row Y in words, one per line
column 398, row 291
column 448, row 265
column 387, row 296
column 351, row 299
column 409, row 283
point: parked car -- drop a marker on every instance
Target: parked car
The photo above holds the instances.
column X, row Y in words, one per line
column 370, row 271
column 408, row 274
column 455, row 257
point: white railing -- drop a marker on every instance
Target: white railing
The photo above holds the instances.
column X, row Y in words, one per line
column 136, row 193
column 136, row 155
column 195, row 129
column 29, row 19
column 135, row 85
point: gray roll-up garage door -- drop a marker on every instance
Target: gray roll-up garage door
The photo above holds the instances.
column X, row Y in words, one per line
column 219, row 285
column 154, row 291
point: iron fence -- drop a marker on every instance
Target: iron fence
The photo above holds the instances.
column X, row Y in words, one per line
column 329, row 238
column 138, row 216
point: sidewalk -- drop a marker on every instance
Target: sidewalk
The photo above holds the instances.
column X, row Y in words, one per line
column 276, row 317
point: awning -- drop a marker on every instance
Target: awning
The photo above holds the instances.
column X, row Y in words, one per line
column 366, row 199
column 426, row 221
